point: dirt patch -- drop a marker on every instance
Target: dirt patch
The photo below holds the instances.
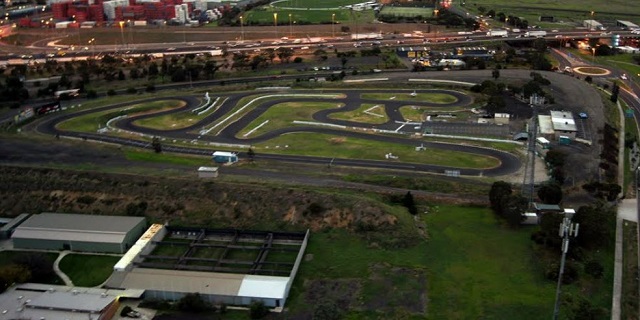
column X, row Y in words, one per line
column 343, row 292
column 389, row 289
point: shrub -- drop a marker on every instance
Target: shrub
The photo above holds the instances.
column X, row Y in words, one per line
column 125, row 311
column 257, row 310
column 92, row 94
column 111, row 92
column 297, row 60
column 594, row 269
column 132, row 91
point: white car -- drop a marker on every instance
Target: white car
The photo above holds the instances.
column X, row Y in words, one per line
column 623, row 77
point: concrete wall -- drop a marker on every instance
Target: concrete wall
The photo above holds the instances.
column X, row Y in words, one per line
column 19, row 243
column 134, row 234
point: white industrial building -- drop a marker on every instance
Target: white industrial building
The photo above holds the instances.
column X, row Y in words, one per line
column 592, row 25
column 45, row 301
column 109, row 7
column 558, row 123
column 219, row 279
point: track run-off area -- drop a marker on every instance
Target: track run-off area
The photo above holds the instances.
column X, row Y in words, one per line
column 378, row 128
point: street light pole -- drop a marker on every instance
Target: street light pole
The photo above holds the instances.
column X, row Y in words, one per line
column 290, row 27
column 241, row 28
column 566, row 229
column 275, row 23
column 333, row 25
column 122, row 32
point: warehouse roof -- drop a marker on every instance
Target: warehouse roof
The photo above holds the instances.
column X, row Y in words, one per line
column 563, row 121
column 77, row 227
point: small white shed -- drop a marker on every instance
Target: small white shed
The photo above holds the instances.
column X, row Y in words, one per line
column 207, row 172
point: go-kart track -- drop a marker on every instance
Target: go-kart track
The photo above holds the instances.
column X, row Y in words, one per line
column 223, row 127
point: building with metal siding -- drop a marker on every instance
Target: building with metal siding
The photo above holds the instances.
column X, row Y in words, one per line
column 78, row 232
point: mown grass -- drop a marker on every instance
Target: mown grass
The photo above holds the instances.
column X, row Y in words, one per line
column 315, row 4
column 93, row 121
column 359, row 114
column 282, row 115
column 407, row 11
column 150, row 156
column 177, row 120
column 314, row 144
column 88, row 270
column 438, row 98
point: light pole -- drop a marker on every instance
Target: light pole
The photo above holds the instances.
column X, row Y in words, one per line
column 275, row 23
column 290, row 26
column 92, row 43
column 241, row 28
column 121, row 23
column 593, row 56
column 333, row 25
column 591, row 21
column 566, row 229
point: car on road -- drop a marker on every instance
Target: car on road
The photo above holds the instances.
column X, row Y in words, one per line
column 583, row 115
column 171, row 49
column 624, row 76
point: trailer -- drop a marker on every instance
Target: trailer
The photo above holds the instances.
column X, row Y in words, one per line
column 537, row 34
column 498, row 33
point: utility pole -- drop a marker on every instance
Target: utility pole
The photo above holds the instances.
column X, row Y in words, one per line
column 567, row 229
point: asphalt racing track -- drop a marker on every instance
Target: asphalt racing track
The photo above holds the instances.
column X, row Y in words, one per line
column 350, row 99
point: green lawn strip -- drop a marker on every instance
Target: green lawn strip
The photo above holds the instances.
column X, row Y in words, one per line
column 570, row 11
column 314, row 144
column 431, row 183
column 359, row 114
column 177, row 120
column 629, row 298
column 441, row 98
column 406, row 11
column 93, row 121
column 283, row 114
column 88, row 270
column 150, row 156
column 631, row 134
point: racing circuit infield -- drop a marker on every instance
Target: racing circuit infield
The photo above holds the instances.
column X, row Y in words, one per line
column 222, row 127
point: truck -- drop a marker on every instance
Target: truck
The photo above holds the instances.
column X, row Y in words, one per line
column 498, row 33
column 537, row 34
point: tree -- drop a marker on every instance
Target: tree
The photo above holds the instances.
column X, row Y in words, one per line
column 251, row 154
column 284, row 54
column 597, row 225
column 499, row 190
column 513, row 207
column 156, row 145
column 38, row 265
column 550, row 193
column 13, row 273
column 495, row 74
column 257, row 310
column 193, row 302
column 409, row 203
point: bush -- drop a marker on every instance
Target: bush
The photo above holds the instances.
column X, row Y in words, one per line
column 132, row 91
column 594, row 269
column 111, row 92
column 257, row 310
column 297, row 60
column 92, row 94
column 86, row 199
column 150, row 88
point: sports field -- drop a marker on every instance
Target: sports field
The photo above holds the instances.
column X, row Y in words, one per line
column 406, row 11
column 342, row 16
column 314, row 4
column 569, row 11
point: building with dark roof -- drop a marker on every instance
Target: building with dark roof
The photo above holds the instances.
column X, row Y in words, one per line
column 78, row 232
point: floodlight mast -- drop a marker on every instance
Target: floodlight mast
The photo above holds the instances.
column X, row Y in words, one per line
column 566, row 230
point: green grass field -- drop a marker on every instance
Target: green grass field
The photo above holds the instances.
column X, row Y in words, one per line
column 376, row 114
column 314, row 144
column 88, row 270
column 407, row 11
column 177, row 120
column 314, row 4
column 476, row 269
column 439, row 98
column 300, row 17
column 283, row 114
